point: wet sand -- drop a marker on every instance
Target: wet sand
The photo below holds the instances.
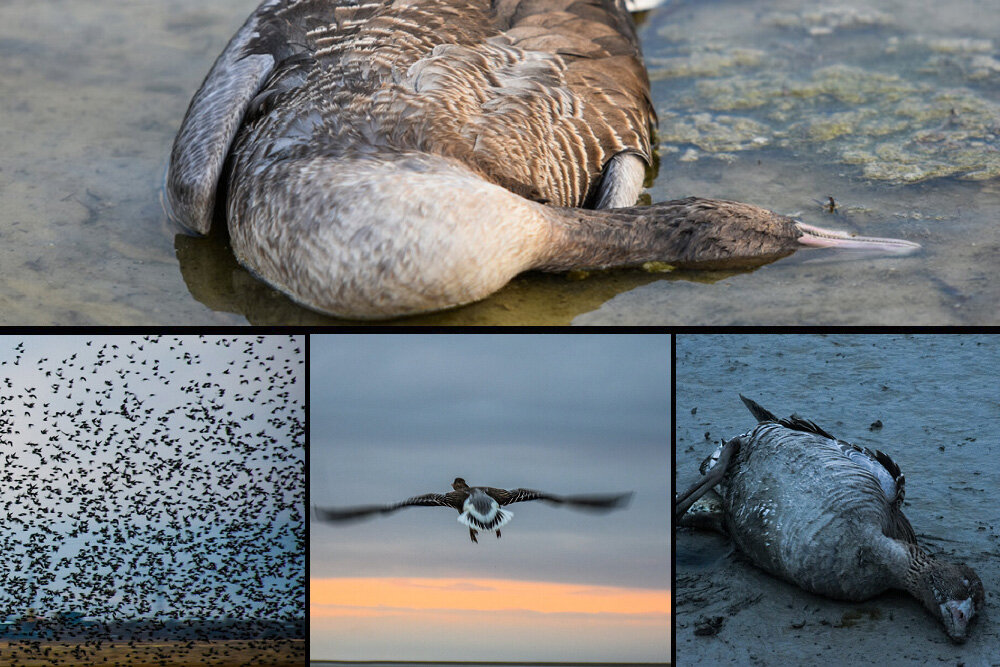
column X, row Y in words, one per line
column 937, row 400
column 280, row 653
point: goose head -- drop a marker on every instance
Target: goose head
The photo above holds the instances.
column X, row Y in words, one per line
column 459, row 484
column 953, row 593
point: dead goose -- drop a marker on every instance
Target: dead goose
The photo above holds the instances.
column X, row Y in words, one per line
column 827, row 515
column 379, row 158
column 478, row 506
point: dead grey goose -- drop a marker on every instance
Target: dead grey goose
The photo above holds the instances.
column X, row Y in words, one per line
column 827, row 515
column 478, row 506
column 378, row 158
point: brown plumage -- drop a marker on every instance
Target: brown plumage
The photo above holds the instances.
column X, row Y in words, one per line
column 383, row 158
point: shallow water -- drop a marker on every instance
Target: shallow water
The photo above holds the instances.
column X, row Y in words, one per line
column 890, row 107
column 93, row 93
column 937, row 400
column 91, row 96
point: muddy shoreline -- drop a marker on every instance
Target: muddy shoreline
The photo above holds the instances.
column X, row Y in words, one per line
column 940, row 415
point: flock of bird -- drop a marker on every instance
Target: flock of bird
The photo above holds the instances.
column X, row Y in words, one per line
column 153, row 477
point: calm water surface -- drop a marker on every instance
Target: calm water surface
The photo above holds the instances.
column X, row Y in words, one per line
column 891, row 107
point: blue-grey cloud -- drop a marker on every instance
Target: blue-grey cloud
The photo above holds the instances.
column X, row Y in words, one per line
column 396, row 416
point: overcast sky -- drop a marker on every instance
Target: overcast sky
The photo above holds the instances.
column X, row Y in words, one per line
column 394, row 416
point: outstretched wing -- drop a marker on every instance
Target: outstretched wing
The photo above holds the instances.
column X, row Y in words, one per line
column 588, row 502
column 364, row 511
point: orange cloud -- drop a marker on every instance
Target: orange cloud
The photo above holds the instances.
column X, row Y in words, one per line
column 365, row 596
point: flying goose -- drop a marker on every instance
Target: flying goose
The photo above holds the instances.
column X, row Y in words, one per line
column 827, row 515
column 478, row 506
column 378, row 158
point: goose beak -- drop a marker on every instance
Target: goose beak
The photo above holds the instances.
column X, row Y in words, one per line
column 956, row 616
column 818, row 237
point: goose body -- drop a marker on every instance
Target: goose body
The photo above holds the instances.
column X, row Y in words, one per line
column 479, row 507
column 827, row 516
column 378, row 158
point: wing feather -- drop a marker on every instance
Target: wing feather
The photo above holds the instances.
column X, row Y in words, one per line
column 215, row 116
column 364, row 511
column 589, row 502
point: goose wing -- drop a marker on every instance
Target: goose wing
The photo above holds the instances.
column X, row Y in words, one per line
column 256, row 51
column 794, row 422
column 601, row 502
column 364, row 511
column 580, row 61
column 893, row 484
column 879, row 464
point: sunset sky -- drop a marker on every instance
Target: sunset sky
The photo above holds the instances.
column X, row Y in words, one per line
column 397, row 416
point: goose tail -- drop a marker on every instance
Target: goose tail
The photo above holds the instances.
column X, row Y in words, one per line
column 474, row 520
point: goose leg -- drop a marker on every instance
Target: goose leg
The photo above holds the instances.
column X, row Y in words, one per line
column 684, row 501
column 498, row 534
column 472, row 534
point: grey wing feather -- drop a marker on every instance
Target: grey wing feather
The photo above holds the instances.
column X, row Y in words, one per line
column 621, row 180
column 880, row 466
column 364, row 511
column 589, row 502
column 520, row 495
column 796, row 423
column 213, row 119
column 348, row 513
column 890, row 479
column 759, row 412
